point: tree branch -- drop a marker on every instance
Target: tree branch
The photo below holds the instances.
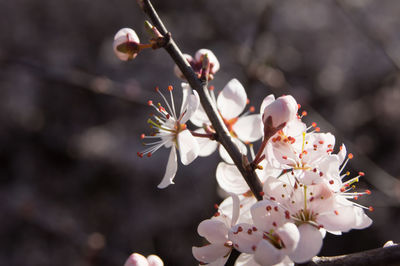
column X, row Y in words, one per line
column 222, row 132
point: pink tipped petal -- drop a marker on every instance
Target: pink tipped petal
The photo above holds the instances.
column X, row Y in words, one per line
column 210, row 253
column 207, row 146
column 125, row 36
column 188, row 147
column 267, row 101
column 136, row 260
column 230, row 179
column 244, row 238
column 172, row 167
column 309, row 245
column 224, row 154
column 155, row 260
column 267, row 254
column 249, row 128
column 199, row 117
column 232, row 100
column 214, row 231
column 191, row 107
column 290, row 236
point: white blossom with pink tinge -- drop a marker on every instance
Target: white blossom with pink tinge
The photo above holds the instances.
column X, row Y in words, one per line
column 137, row 259
column 125, row 44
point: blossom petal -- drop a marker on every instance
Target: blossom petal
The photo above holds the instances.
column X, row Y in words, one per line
column 230, row 179
column 267, row 101
column 224, row 154
column 172, row 167
column 232, row 100
column 339, row 219
column 200, row 117
column 309, row 245
column 246, row 260
column 267, row 254
column 210, row 253
column 188, row 147
column 193, row 103
column 214, row 231
column 186, row 91
column 290, row 236
column 207, row 146
column 267, row 215
column 244, row 238
column 249, row 128
column 136, row 259
column 155, row 260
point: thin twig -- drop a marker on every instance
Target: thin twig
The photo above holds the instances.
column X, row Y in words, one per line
column 222, row 132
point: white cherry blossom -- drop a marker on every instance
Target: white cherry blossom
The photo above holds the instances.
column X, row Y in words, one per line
column 136, row 259
column 171, row 132
column 126, row 44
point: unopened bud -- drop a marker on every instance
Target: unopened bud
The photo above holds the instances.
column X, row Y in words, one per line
column 214, row 63
column 282, row 110
column 126, row 44
column 137, row 259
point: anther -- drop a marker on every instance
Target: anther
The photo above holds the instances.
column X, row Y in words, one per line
column 304, row 113
column 150, row 103
column 252, row 109
column 211, row 88
column 142, row 136
column 216, row 206
column 149, row 154
column 170, row 88
column 261, row 193
column 350, row 156
column 336, row 212
column 317, row 129
column 361, row 173
column 371, row 209
column 368, row 192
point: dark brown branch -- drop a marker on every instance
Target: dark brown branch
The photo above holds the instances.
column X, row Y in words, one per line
column 388, row 256
column 223, row 135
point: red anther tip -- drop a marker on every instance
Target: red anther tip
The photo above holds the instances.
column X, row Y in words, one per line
column 284, row 157
column 350, row 156
column 361, row 173
column 217, row 214
column 150, row 103
column 368, row 192
column 336, row 212
column 142, row 136
column 252, row 109
column 355, row 197
column 304, row 113
column 371, row 209
column 314, row 124
column 216, row 206
column 170, row 88
column 272, row 198
column 157, row 89
column 261, row 193
column 317, row 129
column 247, row 101
column 342, row 189
column 298, row 106
column 149, row 154
column 183, row 126
column 331, row 182
column 140, row 154
column 211, row 88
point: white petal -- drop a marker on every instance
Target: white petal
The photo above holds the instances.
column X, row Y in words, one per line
column 232, row 99
column 136, row 259
column 188, row 147
column 224, row 154
column 186, row 91
column 220, row 261
column 269, row 219
column 267, row 254
column 214, row 231
column 230, row 179
column 342, row 154
column 309, row 245
column 211, row 57
column 362, row 220
column 172, row 167
column 244, row 238
column 200, row 117
column 290, row 236
column 154, row 260
column 207, row 146
column 249, row 128
column 193, row 103
column 267, row 101
column 339, row 219
column 246, row 260
column 210, row 253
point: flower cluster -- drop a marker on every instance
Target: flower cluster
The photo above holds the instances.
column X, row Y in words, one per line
column 306, row 191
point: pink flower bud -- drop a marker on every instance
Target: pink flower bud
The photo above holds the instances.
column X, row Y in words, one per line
column 282, row 110
column 198, row 57
column 126, row 44
column 137, row 259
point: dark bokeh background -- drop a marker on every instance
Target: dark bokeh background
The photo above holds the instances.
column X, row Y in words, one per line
column 72, row 190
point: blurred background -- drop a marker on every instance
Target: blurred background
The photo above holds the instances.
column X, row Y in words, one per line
column 73, row 191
